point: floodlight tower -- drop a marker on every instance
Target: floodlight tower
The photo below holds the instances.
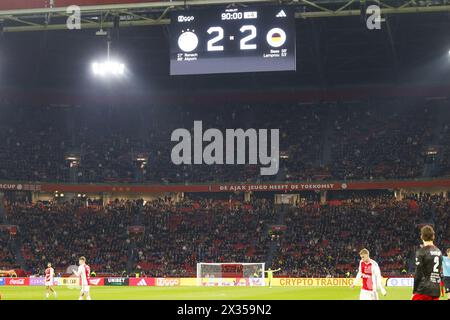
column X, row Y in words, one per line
column 108, row 67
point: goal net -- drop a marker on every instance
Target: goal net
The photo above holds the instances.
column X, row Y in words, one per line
column 230, row 274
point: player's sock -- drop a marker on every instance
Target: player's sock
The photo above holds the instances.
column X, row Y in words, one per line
column 81, row 298
column 88, row 298
column 54, row 292
column 46, row 295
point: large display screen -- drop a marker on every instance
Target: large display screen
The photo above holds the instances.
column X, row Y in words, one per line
column 235, row 39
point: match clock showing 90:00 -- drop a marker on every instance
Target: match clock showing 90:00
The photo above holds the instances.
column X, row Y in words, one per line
column 229, row 40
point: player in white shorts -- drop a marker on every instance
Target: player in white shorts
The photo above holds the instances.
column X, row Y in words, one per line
column 84, row 272
column 370, row 273
column 49, row 281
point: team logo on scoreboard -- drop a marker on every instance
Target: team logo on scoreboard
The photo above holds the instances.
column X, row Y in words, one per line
column 276, row 37
column 188, row 41
column 185, row 18
column 281, row 14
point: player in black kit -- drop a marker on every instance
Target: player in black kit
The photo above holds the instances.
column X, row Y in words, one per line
column 427, row 278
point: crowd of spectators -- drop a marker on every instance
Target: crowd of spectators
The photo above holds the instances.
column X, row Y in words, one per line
column 177, row 237
column 360, row 140
column 319, row 240
column 61, row 233
column 383, row 140
column 325, row 240
column 7, row 258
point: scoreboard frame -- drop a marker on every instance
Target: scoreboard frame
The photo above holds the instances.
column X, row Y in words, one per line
column 232, row 40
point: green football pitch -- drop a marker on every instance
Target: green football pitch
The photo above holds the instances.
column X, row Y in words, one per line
column 202, row 293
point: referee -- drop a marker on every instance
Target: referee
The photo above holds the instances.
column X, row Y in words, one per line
column 446, row 272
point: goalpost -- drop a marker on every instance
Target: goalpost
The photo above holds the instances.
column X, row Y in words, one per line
column 230, row 274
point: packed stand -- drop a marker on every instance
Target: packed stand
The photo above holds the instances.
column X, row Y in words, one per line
column 61, row 233
column 7, row 258
column 362, row 140
column 179, row 236
column 324, row 240
column 169, row 238
column 381, row 140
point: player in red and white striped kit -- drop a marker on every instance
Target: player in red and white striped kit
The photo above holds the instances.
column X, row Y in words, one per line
column 49, row 281
column 84, row 272
column 370, row 273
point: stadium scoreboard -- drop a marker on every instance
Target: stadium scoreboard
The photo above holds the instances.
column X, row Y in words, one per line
column 227, row 40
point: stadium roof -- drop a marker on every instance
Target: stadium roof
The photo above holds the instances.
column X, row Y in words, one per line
column 21, row 15
column 331, row 51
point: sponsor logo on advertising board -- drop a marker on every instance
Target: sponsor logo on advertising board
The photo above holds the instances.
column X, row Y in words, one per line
column 167, row 282
column 14, row 186
column 97, row 281
column 2, row 281
column 243, row 282
column 141, row 282
column 400, row 282
column 72, row 281
column 313, row 282
column 116, row 281
column 257, row 282
column 38, row 281
column 17, row 281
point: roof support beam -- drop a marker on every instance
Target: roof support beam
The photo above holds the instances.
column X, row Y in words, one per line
column 154, row 13
column 92, row 25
